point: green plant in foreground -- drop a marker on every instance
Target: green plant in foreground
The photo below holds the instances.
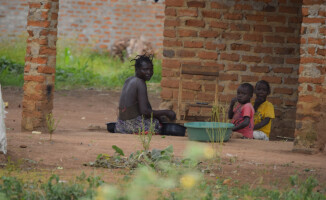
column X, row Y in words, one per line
column 51, row 123
column 145, row 137
column 216, row 132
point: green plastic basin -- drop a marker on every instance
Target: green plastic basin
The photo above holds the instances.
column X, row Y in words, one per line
column 201, row 131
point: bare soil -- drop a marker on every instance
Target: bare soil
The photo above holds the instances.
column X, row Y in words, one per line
column 247, row 161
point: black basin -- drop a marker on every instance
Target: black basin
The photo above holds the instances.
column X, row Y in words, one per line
column 173, row 129
column 110, row 127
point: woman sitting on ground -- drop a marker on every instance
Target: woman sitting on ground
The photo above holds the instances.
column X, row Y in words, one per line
column 135, row 111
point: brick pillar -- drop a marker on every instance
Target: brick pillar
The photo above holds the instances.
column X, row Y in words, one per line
column 40, row 63
column 310, row 123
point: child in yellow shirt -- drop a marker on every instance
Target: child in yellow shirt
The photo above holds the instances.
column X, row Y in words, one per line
column 264, row 111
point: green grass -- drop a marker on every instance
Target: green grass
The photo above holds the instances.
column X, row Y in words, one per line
column 75, row 68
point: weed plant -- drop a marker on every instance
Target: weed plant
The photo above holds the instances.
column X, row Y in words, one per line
column 217, row 132
column 145, row 137
column 51, row 123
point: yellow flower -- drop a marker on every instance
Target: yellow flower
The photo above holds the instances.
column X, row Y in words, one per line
column 209, row 152
column 188, row 181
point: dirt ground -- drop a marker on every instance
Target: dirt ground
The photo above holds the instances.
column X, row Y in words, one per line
column 246, row 161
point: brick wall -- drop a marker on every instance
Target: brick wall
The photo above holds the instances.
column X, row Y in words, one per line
column 97, row 23
column 13, row 16
column 312, row 90
column 245, row 40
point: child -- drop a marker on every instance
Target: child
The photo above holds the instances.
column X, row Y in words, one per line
column 243, row 114
column 264, row 111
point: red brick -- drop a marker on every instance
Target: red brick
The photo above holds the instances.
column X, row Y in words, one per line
column 307, row 98
column 248, row 78
column 281, row 29
column 255, row 17
column 260, row 49
column 195, row 23
column 312, row 2
column 243, row 7
column 186, row 53
column 318, row 80
column 38, row 78
column 219, row 5
column 313, row 20
column 187, row 33
column 236, row 67
column 47, row 51
column 232, row 16
column 27, row 68
column 167, row 73
column 292, row 61
column 34, row 5
column 288, row 91
column 305, row 11
column 47, row 5
column 217, row 24
column 207, row 55
column 170, row 12
column 291, row 81
column 44, row 24
column 174, row 3
column 172, row 43
column 188, row 13
column 322, row 13
column 211, row 14
column 167, row 63
column 169, row 33
column 230, row 57
column 289, row 10
column 196, row 4
column 166, row 93
column 39, row 60
column 260, row 69
column 255, row 59
column 171, row 22
column 285, row 51
column 321, row 52
column 191, row 85
column 204, row 96
column 208, row 34
column 280, row 19
column 232, row 36
column 228, row 77
column 274, row 39
column 275, row 100
column 214, row 46
column 170, row 83
column 273, row 60
column 284, row 70
column 290, row 103
column 240, row 27
column 319, row 41
column 193, row 44
column 306, row 60
column 46, row 70
column 240, row 47
column 293, row 40
column 253, row 37
column 233, row 86
column 263, row 28
column 272, row 79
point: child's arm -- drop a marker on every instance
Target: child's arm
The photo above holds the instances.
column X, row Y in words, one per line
column 263, row 123
column 244, row 124
column 232, row 103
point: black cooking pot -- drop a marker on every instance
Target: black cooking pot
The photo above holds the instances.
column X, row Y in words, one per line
column 173, row 129
column 111, row 127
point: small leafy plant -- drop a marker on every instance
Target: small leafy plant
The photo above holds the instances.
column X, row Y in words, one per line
column 52, row 124
column 145, row 137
